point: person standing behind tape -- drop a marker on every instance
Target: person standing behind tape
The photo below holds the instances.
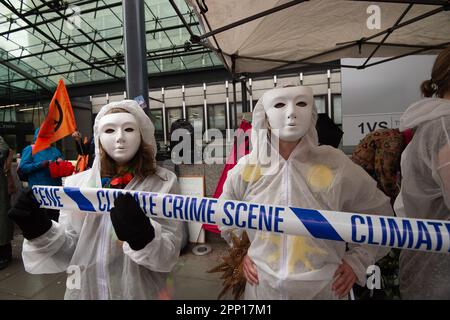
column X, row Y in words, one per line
column 6, row 226
column 121, row 255
column 378, row 153
column 303, row 175
column 85, row 150
column 36, row 168
column 425, row 190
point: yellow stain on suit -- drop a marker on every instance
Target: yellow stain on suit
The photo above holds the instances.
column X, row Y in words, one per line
column 301, row 249
column 320, row 177
column 251, row 173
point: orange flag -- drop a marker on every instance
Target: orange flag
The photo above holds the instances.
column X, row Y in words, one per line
column 60, row 121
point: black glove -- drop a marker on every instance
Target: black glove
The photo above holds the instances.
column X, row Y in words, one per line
column 130, row 222
column 32, row 220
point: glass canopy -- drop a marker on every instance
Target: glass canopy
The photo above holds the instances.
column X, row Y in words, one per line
column 80, row 41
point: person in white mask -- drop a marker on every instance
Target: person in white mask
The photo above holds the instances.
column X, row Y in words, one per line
column 117, row 255
column 301, row 174
column 425, row 190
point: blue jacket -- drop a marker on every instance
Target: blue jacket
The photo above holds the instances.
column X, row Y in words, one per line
column 31, row 165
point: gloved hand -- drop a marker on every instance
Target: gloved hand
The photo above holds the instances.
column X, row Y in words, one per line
column 32, row 220
column 130, row 222
column 45, row 163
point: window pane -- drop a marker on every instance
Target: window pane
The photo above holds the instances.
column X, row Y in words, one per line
column 195, row 117
column 157, row 116
column 238, row 112
column 320, row 102
column 27, row 116
column 216, row 116
column 8, row 114
column 173, row 115
column 337, row 105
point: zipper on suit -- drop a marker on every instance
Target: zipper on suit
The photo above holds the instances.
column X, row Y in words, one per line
column 101, row 262
column 283, row 269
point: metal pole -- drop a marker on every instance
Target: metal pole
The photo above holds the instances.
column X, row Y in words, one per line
column 329, row 103
column 244, row 95
column 234, row 104
column 196, row 39
column 135, row 50
column 251, row 94
column 163, row 98
column 184, row 103
column 227, row 105
column 205, row 112
column 180, row 15
column 387, row 35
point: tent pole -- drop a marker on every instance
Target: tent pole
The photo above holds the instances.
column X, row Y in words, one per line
column 365, row 40
column 244, row 95
column 234, row 104
column 248, row 19
column 387, row 35
column 426, row 2
column 196, row 39
column 439, row 46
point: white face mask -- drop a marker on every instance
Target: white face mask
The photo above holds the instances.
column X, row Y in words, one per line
column 120, row 136
column 289, row 111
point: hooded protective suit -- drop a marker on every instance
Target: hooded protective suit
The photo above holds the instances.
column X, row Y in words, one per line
column 109, row 268
column 425, row 194
column 317, row 177
column 31, row 165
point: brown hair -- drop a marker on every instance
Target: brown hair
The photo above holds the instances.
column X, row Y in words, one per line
column 143, row 161
column 439, row 83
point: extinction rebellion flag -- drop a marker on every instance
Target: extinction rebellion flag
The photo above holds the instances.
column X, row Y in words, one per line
column 60, row 121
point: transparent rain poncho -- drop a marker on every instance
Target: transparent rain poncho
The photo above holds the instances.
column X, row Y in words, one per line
column 316, row 177
column 425, row 194
column 86, row 242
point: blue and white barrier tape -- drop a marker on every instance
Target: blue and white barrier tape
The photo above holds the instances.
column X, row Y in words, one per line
column 403, row 233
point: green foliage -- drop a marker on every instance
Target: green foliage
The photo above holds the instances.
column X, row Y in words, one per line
column 389, row 267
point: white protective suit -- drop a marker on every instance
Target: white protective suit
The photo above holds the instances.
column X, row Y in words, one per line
column 317, row 177
column 110, row 269
column 425, row 194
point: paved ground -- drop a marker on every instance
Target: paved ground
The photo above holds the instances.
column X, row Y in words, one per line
column 190, row 279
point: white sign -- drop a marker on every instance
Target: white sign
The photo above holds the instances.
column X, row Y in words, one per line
column 194, row 186
column 384, row 88
column 375, row 97
column 356, row 127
